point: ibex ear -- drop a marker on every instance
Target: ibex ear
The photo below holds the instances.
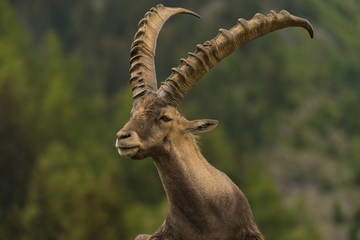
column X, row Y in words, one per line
column 199, row 126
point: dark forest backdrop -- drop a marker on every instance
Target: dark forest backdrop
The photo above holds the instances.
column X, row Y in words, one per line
column 289, row 111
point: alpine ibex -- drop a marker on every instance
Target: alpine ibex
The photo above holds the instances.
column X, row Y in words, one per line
column 203, row 202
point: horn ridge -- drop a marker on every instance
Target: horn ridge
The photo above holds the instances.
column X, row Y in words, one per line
column 143, row 48
column 211, row 52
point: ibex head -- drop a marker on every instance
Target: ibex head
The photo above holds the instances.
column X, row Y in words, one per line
column 153, row 126
column 155, row 119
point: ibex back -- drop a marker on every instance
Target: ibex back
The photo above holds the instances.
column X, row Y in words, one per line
column 203, row 202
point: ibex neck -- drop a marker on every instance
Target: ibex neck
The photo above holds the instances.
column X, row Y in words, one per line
column 192, row 185
column 183, row 170
column 202, row 199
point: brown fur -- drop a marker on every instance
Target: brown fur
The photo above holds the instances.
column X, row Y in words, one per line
column 203, row 202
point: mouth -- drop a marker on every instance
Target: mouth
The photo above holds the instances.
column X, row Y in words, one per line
column 128, row 150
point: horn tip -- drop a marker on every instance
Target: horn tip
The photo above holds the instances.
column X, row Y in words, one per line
column 303, row 22
column 307, row 25
column 191, row 12
column 310, row 30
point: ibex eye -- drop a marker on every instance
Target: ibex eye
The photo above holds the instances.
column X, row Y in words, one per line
column 165, row 118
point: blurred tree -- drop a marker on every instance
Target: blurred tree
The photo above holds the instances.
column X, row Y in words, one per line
column 274, row 219
column 18, row 149
column 338, row 214
column 69, row 199
column 354, row 229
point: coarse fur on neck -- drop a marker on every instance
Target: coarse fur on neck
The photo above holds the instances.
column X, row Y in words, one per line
column 201, row 198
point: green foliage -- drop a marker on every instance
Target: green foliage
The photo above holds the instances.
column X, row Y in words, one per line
column 144, row 218
column 274, row 218
column 354, row 154
column 15, row 120
column 354, row 229
column 338, row 214
column 70, row 199
column 58, row 106
column 286, row 103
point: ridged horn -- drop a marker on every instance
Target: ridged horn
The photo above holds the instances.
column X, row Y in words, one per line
column 142, row 53
column 207, row 55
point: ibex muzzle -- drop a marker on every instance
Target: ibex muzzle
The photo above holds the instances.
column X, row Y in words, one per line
column 203, row 202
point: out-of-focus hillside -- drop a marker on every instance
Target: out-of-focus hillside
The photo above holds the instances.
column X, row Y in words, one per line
column 288, row 105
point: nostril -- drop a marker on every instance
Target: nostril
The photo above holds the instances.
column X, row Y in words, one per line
column 124, row 135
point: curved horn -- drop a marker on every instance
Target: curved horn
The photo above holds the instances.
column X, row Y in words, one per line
column 142, row 66
column 207, row 55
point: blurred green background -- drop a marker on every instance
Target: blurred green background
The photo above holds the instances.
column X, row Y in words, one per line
column 289, row 111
